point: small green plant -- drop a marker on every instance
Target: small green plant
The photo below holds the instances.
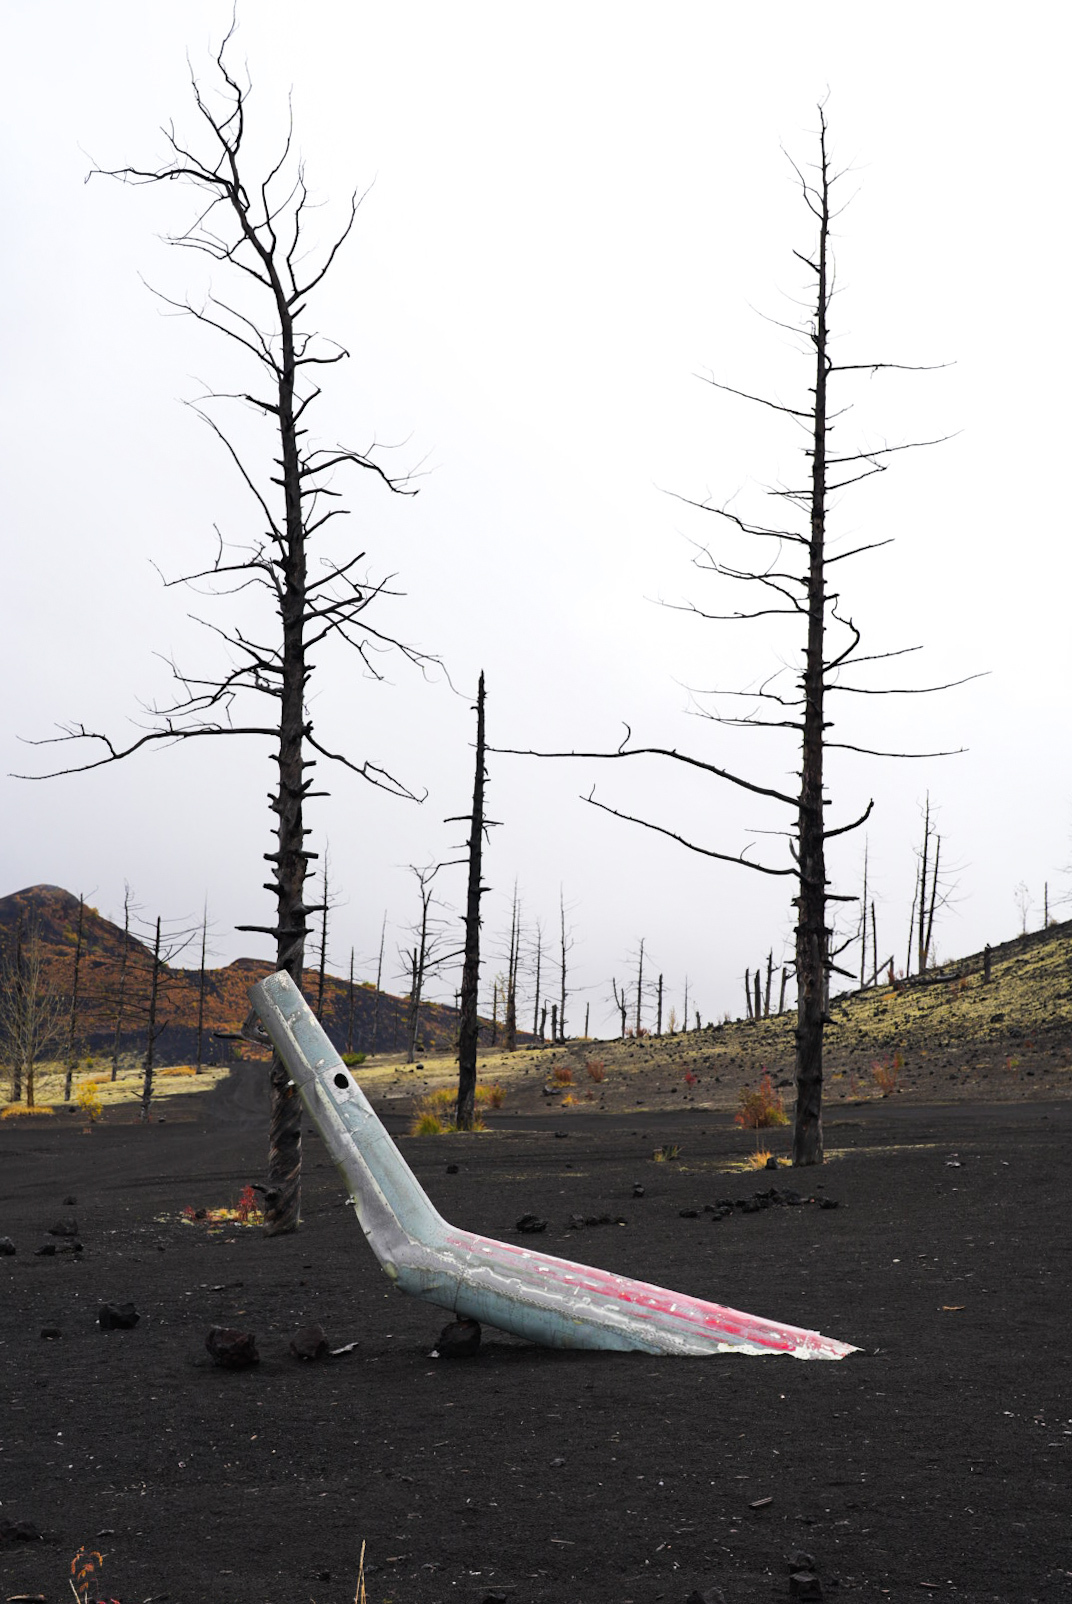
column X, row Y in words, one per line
column 427, row 1124
column 667, row 1153
column 761, row 1108
column 351, row 1060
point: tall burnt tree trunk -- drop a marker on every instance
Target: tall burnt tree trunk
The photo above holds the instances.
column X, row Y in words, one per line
column 151, row 1032
column 510, row 1022
column 379, row 994
column 121, row 999
column 639, row 991
column 469, row 1024
column 812, row 933
column 536, row 1003
column 322, row 965
column 72, row 1034
column 350, row 1007
column 201, row 993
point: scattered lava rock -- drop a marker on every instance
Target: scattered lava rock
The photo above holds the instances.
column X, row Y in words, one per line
column 452, row 1169
column 309, row 1343
column 7, row 1247
column 47, row 1250
column 578, row 1222
column 117, row 1317
column 18, row 1531
column 529, row 1224
column 459, row 1340
column 69, row 1202
column 638, row 1190
column 773, row 1197
column 233, row 1350
column 806, row 1586
column 688, row 1214
column 706, row 1595
column 51, row 1333
column 64, row 1228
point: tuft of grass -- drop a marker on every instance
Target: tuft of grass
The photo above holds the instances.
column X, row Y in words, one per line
column 758, row 1159
column 17, row 1110
column 762, row 1107
column 667, row 1153
column 596, row 1070
column 178, row 1072
column 562, row 1075
column 569, row 1100
column 427, row 1124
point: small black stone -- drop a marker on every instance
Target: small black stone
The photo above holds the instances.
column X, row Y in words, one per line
column 452, row 1169
column 18, row 1531
column 47, row 1250
column 459, row 1340
column 310, row 1343
column 69, row 1202
column 117, row 1317
column 51, row 1333
column 638, row 1190
column 7, row 1247
column 64, row 1228
column 233, row 1350
column 706, row 1595
column 806, row 1586
column 530, row 1224
column 688, row 1214
column 576, row 1222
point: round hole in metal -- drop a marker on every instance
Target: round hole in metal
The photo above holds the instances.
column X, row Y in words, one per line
column 342, row 1080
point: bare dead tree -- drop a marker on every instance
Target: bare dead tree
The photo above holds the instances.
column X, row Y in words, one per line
column 350, row 1007
column 747, row 998
column 72, row 1028
column 619, row 1001
column 166, row 948
column 565, row 947
column 1024, row 902
column 659, row 1009
column 510, row 1023
column 256, row 230
column 863, row 925
column 379, row 992
column 201, row 983
column 33, row 1014
column 325, row 905
column 469, row 1022
column 430, row 952
column 639, row 989
column 538, row 963
column 830, row 651
column 121, row 995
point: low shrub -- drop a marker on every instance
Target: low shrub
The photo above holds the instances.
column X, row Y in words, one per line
column 758, row 1159
column 886, row 1072
column 667, row 1153
column 761, row 1108
column 88, row 1098
column 16, row 1110
column 352, row 1060
column 178, row 1071
column 562, row 1075
column 596, row 1070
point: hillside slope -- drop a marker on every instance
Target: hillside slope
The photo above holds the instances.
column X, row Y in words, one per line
column 53, row 912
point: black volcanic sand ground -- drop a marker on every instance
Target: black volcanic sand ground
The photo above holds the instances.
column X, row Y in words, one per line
column 937, row 1462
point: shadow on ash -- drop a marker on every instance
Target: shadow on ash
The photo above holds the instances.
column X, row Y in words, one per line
column 532, row 1295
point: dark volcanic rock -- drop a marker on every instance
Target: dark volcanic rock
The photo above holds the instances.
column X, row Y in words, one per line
column 459, row 1340
column 18, row 1531
column 7, row 1247
column 309, row 1343
column 117, row 1317
column 706, row 1595
column 806, row 1586
column 529, row 1224
column 64, row 1228
column 234, row 1350
column 51, row 1333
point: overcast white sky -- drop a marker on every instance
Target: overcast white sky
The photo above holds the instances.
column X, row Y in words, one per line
column 575, row 209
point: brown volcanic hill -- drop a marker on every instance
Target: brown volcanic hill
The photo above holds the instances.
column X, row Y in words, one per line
column 52, row 913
